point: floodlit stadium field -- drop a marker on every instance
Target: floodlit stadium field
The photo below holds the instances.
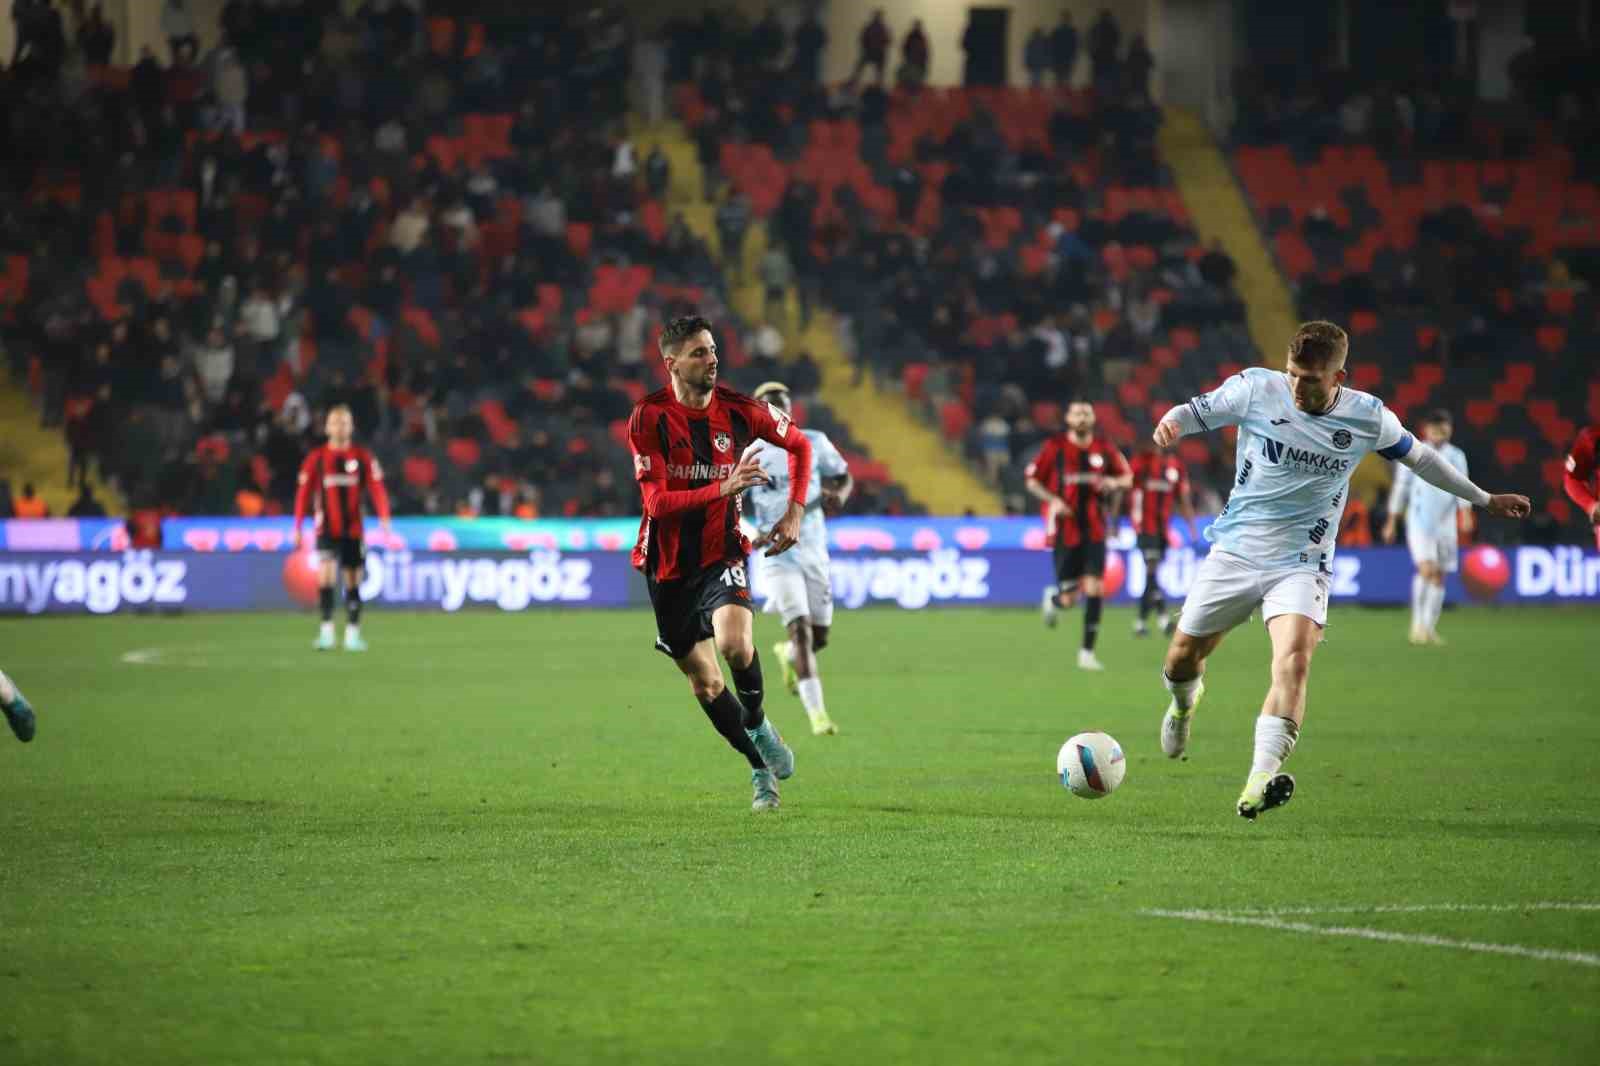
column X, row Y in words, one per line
column 515, row 839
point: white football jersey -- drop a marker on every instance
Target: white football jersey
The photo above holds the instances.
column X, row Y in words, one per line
column 1431, row 510
column 1291, row 467
column 769, row 503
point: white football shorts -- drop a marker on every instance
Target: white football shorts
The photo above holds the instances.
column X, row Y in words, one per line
column 1439, row 550
column 1227, row 588
column 800, row 592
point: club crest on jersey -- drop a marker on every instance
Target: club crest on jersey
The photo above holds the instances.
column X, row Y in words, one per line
column 1172, row 475
column 722, row 442
column 1097, row 460
column 1342, row 438
column 351, row 466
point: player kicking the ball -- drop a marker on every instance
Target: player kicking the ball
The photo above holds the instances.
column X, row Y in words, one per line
column 1430, row 530
column 802, row 590
column 1301, row 434
column 688, row 442
column 334, row 475
column 18, row 711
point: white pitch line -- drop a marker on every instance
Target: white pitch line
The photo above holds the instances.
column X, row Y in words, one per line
column 1412, row 908
column 1581, row 958
column 142, row 656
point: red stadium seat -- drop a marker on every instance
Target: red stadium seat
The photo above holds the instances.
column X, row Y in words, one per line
column 464, row 452
column 1510, row 452
column 420, row 471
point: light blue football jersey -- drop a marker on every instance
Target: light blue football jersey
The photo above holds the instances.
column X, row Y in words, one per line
column 769, row 503
column 1430, row 509
column 1292, row 468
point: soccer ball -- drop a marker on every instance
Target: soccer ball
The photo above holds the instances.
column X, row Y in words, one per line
column 1091, row 765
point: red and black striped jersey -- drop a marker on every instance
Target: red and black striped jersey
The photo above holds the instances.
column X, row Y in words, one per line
column 1159, row 480
column 334, row 478
column 681, row 455
column 1076, row 474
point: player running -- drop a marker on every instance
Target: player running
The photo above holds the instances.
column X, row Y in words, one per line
column 1301, row 434
column 1430, row 529
column 18, row 711
column 1160, row 481
column 802, row 591
column 1582, row 480
column 1071, row 475
column 689, row 442
column 334, row 475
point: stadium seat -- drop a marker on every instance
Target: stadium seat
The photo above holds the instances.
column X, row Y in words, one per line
column 464, row 452
column 1510, row 452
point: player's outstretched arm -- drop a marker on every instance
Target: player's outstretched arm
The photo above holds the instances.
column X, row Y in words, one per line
column 1226, row 405
column 1436, row 470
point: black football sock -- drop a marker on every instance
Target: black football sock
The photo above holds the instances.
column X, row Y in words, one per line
column 1091, row 621
column 325, row 600
column 747, row 682
column 352, row 605
column 727, row 715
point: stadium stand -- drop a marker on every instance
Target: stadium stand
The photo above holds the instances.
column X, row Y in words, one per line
column 1456, row 241
column 477, row 267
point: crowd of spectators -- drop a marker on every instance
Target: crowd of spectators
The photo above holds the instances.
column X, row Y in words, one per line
column 983, row 326
column 411, row 216
column 1458, row 235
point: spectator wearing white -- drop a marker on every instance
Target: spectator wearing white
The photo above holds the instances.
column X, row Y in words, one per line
column 650, row 74
column 260, row 328
column 230, row 84
column 409, row 228
column 213, row 364
column 768, row 342
column 777, row 274
column 459, row 217
column 546, row 214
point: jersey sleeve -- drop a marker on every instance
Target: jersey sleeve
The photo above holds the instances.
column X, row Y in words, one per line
column 1119, row 463
column 1226, row 405
column 771, row 423
column 1400, row 491
column 375, row 486
column 829, row 462
column 1580, row 469
column 305, row 484
column 1459, row 458
column 1393, row 440
column 1044, row 460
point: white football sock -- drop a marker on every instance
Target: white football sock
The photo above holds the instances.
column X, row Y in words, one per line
column 1419, row 592
column 8, row 691
column 352, row 631
column 1432, row 606
column 1275, row 739
column 811, row 696
column 327, row 630
column 1182, row 691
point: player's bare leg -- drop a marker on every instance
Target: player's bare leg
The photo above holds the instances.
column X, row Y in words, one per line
column 700, row 666
column 1294, row 641
column 1091, row 623
column 1183, row 674
column 19, row 713
column 806, row 640
column 327, row 581
column 734, row 629
column 352, row 611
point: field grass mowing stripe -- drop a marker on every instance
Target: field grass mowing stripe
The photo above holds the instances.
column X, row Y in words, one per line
column 1580, row 958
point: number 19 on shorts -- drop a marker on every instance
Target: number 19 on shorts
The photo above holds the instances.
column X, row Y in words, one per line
column 734, row 577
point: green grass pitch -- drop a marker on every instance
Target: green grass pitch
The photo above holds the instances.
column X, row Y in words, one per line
column 515, row 839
